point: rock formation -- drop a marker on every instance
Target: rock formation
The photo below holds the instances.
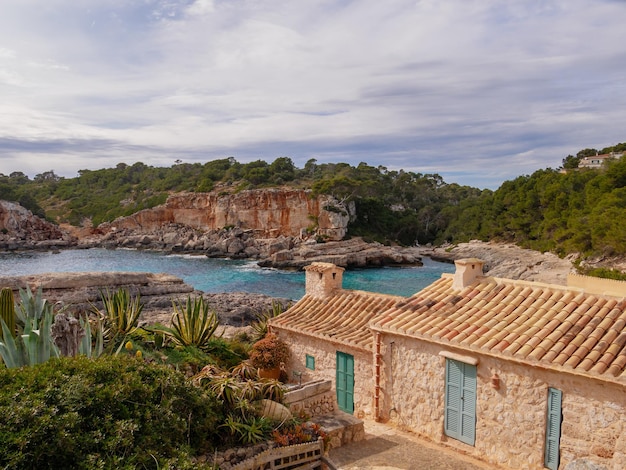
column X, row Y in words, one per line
column 77, row 292
column 508, row 261
column 347, row 253
column 20, row 229
column 265, row 213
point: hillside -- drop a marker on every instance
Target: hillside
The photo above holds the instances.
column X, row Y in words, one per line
column 580, row 211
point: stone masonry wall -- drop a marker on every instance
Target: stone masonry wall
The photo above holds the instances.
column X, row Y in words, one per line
column 312, row 399
column 325, row 354
column 511, row 420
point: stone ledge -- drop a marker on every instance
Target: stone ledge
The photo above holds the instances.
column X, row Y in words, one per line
column 342, row 428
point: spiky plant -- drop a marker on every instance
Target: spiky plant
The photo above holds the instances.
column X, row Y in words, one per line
column 32, row 306
column 260, row 325
column 193, row 323
column 120, row 314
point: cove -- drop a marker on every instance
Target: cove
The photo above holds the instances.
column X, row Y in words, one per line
column 218, row 275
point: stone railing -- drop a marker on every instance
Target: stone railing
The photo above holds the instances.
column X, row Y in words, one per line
column 312, row 399
column 309, row 455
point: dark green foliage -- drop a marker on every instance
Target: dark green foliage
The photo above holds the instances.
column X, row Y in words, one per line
column 113, row 412
column 581, row 210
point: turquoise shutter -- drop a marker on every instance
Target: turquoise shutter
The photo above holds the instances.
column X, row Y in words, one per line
column 345, row 382
column 460, row 401
column 553, row 429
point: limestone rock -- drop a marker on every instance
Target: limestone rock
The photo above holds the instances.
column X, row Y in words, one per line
column 266, row 212
column 508, row 261
column 20, row 229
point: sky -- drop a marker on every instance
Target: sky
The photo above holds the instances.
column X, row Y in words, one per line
column 478, row 91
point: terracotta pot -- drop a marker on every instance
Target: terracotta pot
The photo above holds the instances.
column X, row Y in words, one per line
column 270, row 373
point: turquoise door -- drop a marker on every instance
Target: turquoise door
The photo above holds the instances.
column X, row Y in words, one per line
column 460, row 406
column 553, row 429
column 345, row 382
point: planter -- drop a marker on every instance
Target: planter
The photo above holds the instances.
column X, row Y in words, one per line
column 270, row 373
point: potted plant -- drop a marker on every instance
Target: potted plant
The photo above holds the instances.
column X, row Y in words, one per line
column 268, row 354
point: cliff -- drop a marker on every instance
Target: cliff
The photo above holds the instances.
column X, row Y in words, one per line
column 266, row 213
column 20, row 229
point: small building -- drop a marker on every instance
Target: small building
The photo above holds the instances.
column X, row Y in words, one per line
column 516, row 373
column 598, row 161
column 329, row 337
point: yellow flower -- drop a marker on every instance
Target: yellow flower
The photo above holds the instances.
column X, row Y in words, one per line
column 138, row 354
column 129, row 346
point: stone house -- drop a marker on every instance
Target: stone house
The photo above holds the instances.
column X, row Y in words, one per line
column 519, row 374
column 327, row 331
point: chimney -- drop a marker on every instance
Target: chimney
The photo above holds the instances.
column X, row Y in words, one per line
column 323, row 279
column 467, row 271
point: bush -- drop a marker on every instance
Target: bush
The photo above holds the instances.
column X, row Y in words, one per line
column 269, row 353
column 113, row 412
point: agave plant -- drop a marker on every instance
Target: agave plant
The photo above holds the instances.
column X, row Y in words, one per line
column 33, row 346
column 260, row 326
column 32, row 306
column 120, row 314
column 246, row 371
column 193, row 323
column 88, row 346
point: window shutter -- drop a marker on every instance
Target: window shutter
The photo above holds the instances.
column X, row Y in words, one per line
column 460, row 400
column 553, row 429
column 468, row 398
column 452, row 423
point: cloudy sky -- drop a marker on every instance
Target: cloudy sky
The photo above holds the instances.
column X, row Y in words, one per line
column 479, row 91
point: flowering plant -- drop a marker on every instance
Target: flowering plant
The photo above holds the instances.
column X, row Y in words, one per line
column 269, row 352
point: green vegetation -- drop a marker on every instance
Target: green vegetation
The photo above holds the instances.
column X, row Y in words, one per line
column 7, row 312
column 119, row 316
column 130, row 398
column 193, row 323
column 581, row 211
column 113, row 412
column 573, row 210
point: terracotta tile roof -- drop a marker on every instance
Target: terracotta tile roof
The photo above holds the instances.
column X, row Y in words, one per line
column 559, row 327
column 342, row 317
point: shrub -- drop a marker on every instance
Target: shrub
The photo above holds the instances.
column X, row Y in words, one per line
column 113, row 412
column 269, row 352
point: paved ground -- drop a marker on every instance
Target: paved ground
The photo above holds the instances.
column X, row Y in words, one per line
column 387, row 448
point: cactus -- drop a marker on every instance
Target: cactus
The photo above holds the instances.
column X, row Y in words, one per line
column 7, row 310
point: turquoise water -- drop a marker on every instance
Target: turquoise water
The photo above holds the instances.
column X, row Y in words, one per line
column 218, row 275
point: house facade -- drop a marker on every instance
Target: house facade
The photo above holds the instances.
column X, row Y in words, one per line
column 516, row 373
column 328, row 334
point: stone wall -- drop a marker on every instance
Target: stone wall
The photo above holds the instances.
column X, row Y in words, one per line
column 312, row 399
column 325, row 354
column 511, row 420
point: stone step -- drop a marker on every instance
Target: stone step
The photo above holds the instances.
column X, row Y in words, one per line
column 342, row 428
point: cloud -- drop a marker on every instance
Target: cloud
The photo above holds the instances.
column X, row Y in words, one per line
column 477, row 91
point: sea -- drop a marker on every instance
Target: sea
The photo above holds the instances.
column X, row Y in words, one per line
column 212, row 275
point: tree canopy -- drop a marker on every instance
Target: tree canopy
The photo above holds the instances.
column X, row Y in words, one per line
column 566, row 210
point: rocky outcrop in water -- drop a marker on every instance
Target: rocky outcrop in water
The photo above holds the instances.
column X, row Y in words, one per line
column 20, row 229
column 353, row 253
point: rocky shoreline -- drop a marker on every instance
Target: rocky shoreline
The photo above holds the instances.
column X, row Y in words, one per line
column 79, row 292
column 507, row 261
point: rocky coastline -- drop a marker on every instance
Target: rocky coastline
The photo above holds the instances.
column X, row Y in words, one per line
column 269, row 226
column 507, row 261
column 78, row 293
